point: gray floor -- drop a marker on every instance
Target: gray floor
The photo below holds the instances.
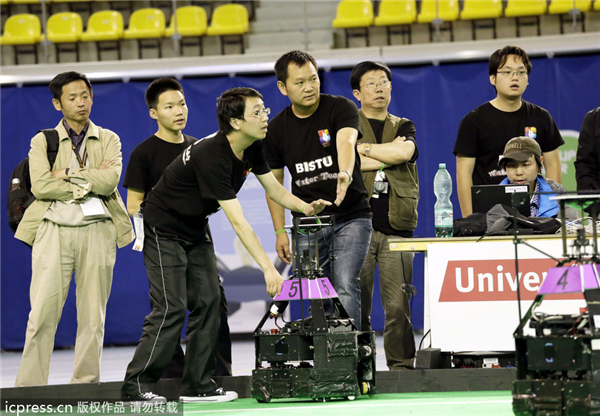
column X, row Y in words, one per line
column 115, row 360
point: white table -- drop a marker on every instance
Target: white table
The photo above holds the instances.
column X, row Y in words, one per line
column 470, row 288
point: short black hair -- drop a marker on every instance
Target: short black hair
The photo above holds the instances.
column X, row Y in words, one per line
column 64, row 78
column 159, row 86
column 232, row 104
column 498, row 58
column 296, row 57
column 362, row 68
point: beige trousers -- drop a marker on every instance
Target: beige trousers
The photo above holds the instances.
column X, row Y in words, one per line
column 58, row 252
column 395, row 268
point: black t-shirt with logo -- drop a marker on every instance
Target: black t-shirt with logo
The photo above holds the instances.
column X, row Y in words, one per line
column 149, row 159
column 307, row 147
column 381, row 204
column 189, row 190
column 484, row 132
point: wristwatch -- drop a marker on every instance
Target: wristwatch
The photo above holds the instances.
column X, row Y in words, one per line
column 347, row 172
column 367, row 148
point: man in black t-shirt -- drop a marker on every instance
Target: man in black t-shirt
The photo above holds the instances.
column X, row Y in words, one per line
column 315, row 138
column 484, row 132
column 587, row 165
column 166, row 104
column 388, row 155
column 179, row 254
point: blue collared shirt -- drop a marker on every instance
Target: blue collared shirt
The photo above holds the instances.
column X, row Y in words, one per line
column 76, row 139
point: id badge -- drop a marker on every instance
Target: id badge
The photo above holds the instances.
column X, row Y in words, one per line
column 138, row 224
column 92, row 208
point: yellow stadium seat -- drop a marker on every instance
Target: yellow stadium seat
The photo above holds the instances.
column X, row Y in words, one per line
column 397, row 13
column 146, row 24
column 481, row 9
column 22, row 30
column 354, row 14
column 106, row 28
column 448, row 11
column 104, row 25
column 228, row 20
column 566, row 9
column 191, row 21
column 191, row 24
column 438, row 12
column 482, row 14
column 65, row 28
column 528, row 9
column 564, row 6
column 525, row 8
column 597, row 5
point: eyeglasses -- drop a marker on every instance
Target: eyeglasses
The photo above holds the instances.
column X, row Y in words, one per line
column 511, row 73
column 372, row 85
column 259, row 113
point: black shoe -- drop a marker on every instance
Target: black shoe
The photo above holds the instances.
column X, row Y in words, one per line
column 147, row 397
column 219, row 395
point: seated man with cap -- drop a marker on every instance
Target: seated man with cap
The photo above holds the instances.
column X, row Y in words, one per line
column 522, row 160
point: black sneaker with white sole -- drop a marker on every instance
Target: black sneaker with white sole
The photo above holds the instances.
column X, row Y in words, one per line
column 219, row 395
column 147, row 397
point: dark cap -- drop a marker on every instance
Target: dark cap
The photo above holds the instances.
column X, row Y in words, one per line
column 520, row 149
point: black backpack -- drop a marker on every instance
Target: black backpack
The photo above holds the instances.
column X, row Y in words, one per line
column 19, row 189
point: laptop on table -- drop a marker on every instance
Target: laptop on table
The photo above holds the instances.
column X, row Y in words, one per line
column 484, row 197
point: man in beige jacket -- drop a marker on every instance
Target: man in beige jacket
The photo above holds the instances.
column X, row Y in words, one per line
column 74, row 226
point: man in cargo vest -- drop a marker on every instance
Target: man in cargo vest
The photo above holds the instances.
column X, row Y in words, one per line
column 388, row 154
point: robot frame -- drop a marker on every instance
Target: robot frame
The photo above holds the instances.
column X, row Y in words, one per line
column 322, row 356
column 558, row 368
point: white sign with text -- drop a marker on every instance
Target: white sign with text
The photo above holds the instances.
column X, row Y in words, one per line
column 472, row 292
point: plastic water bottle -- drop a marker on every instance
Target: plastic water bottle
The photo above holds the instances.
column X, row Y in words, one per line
column 442, row 188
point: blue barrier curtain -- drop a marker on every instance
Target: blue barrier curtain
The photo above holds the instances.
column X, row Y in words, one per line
column 435, row 98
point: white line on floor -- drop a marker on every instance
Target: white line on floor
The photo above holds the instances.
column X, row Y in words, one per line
column 397, row 403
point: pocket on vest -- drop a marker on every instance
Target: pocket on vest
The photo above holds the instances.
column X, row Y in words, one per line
column 403, row 208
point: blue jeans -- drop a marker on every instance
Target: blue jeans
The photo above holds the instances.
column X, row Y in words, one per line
column 350, row 246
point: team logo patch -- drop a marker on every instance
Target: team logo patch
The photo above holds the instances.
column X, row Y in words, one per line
column 531, row 132
column 324, row 137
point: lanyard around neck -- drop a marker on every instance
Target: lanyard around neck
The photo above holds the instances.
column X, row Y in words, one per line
column 85, row 156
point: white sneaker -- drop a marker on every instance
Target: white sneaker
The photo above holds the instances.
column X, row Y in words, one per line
column 219, row 395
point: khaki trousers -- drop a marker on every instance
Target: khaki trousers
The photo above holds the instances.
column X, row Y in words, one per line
column 58, row 252
column 395, row 268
